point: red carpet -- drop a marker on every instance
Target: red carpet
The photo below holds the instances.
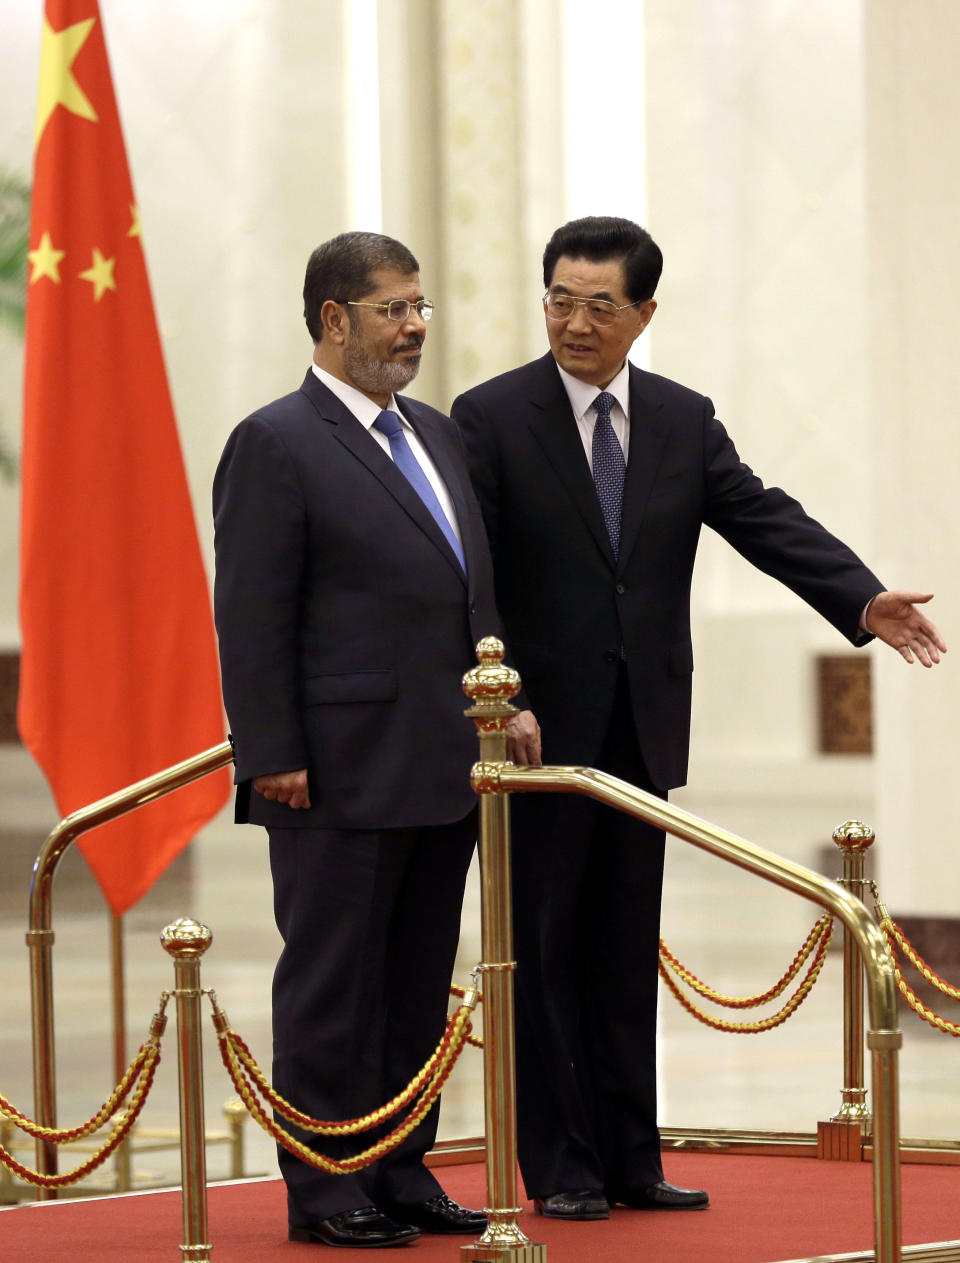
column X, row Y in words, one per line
column 762, row 1209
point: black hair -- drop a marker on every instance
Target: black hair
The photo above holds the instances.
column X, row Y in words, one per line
column 602, row 237
column 340, row 269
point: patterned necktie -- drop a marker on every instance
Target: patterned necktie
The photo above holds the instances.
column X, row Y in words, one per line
column 609, row 468
column 388, row 423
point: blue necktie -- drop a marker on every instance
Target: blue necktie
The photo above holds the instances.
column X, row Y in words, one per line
column 388, row 423
column 609, row 468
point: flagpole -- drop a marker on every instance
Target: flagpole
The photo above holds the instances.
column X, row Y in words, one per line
column 119, row 999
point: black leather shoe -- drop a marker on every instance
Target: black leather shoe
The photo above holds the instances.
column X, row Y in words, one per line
column 363, row 1228
column 662, row 1196
column 441, row 1214
column 584, row 1203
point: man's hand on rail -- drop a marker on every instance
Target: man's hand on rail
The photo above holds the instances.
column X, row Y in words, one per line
column 523, row 739
column 895, row 619
column 285, row 787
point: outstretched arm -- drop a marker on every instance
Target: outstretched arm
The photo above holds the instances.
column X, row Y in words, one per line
column 893, row 617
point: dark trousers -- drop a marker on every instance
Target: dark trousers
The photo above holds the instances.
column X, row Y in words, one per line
column 587, row 887
column 370, row 924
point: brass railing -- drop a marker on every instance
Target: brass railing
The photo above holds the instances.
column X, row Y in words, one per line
column 493, row 779
column 40, row 936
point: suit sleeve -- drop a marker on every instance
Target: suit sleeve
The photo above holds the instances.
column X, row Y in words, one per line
column 773, row 532
column 483, row 466
column 483, row 461
column 260, row 540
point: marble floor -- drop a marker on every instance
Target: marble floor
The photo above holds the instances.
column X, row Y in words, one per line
column 728, row 927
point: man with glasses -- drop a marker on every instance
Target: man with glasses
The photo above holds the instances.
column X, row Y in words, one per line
column 595, row 479
column 353, row 580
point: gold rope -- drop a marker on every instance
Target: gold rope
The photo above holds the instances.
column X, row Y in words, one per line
column 819, row 936
column 145, row 1063
column 754, row 1001
column 896, row 938
column 238, row 1060
column 893, row 931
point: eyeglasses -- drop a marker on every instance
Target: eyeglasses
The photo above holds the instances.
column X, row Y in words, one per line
column 399, row 308
column 598, row 310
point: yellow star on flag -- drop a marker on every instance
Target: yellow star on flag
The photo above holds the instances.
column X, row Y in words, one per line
column 134, row 229
column 45, row 260
column 58, row 86
column 100, row 275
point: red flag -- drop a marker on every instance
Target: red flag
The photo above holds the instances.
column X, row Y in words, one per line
column 118, row 674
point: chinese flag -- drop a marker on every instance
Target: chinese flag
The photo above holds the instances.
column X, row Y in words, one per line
column 118, row 674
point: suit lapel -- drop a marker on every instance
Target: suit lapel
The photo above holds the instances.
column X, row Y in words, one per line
column 348, row 431
column 553, row 426
column 648, row 436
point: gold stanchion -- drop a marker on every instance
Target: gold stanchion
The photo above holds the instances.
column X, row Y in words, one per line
column 491, row 685
column 842, row 1135
column 186, row 941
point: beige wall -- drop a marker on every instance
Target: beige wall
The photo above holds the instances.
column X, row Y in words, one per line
column 756, row 190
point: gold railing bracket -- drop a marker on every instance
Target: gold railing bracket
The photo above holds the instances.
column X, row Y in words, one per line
column 485, row 777
column 884, row 1041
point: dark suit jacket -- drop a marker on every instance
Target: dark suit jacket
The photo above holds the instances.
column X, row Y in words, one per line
column 345, row 620
column 568, row 606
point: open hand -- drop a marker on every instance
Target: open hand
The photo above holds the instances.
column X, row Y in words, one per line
column 893, row 617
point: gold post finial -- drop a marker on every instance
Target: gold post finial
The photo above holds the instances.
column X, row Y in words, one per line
column 853, row 835
column 490, row 687
column 186, row 938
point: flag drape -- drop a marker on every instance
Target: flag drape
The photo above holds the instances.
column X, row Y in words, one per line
column 118, row 671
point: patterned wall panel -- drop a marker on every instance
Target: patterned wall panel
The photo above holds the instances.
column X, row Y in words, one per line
column 479, row 131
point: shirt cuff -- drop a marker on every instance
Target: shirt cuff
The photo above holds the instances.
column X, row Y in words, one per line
column 863, row 616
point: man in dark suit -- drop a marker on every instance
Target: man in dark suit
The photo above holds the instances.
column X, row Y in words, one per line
column 595, row 479
column 353, row 580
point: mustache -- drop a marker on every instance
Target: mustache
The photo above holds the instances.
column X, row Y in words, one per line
column 413, row 343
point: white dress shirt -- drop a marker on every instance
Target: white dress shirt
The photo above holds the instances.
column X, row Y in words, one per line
column 366, row 412
column 583, row 399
